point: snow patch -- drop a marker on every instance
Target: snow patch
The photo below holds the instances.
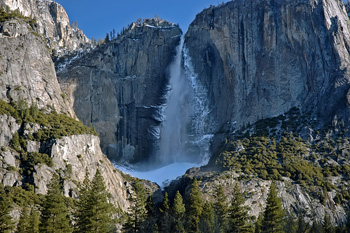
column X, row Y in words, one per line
column 162, row 176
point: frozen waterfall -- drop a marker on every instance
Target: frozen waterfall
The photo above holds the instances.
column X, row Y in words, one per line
column 184, row 133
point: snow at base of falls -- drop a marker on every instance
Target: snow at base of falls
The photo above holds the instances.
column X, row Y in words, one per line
column 162, row 176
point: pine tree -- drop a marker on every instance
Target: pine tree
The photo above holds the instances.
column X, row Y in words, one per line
column 82, row 213
column 28, row 221
column 107, row 38
column 238, row 212
column 165, row 221
column 15, row 142
column 258, row 224
column 194, row 209
column 100, row 210
column 221, row 210
column 207, row 220
column 23, row 224
column 273, row 214
column 178, row 211
column 34, row 221
column 137, row 211
column 6, row 224
column 150, row 224
column 55, row 217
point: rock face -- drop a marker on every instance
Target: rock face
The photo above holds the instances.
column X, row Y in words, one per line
column 26, row 68
column 258, row 59
column 72, row 155
column 27, row 73
column 295, row 199
column 52, row 23
column 119, row 88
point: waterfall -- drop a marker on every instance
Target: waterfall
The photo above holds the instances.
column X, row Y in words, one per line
column 184, row 133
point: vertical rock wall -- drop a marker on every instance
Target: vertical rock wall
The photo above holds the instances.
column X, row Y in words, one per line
column 119, row 88
column 260, row 58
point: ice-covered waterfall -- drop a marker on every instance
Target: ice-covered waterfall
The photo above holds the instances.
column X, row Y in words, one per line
column 184, row 134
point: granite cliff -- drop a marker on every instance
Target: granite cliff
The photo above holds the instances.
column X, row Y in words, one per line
column 39, row 134
column 258, row 59
column 52, row 22
column 119, row 88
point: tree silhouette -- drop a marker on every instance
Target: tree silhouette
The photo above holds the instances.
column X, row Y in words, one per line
column 273, row 215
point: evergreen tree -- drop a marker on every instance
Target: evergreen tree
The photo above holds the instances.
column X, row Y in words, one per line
column 178, row 211
column 290, row 225
column 150, row 225
column 6, row 224
column 55, row 217
column 221, row 210
column 107, row 38
column 137, row 211
column 23, row 223
column 15, row 142
column 165, row 221
column 100, row 217
column 82, row 213
column 34, row 221
column 238, row 212
column 194, row 209
column 273, row 215
column 258, row 224
column 207, row 220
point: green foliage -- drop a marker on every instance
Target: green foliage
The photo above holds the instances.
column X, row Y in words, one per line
column 7, row 14
column 6, row 224
column 221, row 209
column 101, row 209
column 150, row 224
column 165, row 214
column 137, row 211
column 238, row 212
column 258, row 224
column 22, row 197
column 94, row 213
column 81, row 213
column 55, row 125
column 207, row 219
column 7, row 109
column 263, row 157
column 23, row 224
column 30, row 159
column 55, row 216
column 178, row 211
column 52, row 125
column 273, row 214
column 15, row 142
column 34, row 221
column 194, row 208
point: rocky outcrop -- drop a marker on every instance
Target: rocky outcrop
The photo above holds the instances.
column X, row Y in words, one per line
column 26, row 68
column 75, row 155
column 119, row 88
column 295, row 198
column 53, row 23
column 258, row 59
column 27, row 75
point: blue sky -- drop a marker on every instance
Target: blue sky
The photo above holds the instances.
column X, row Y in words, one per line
column 96, row 18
